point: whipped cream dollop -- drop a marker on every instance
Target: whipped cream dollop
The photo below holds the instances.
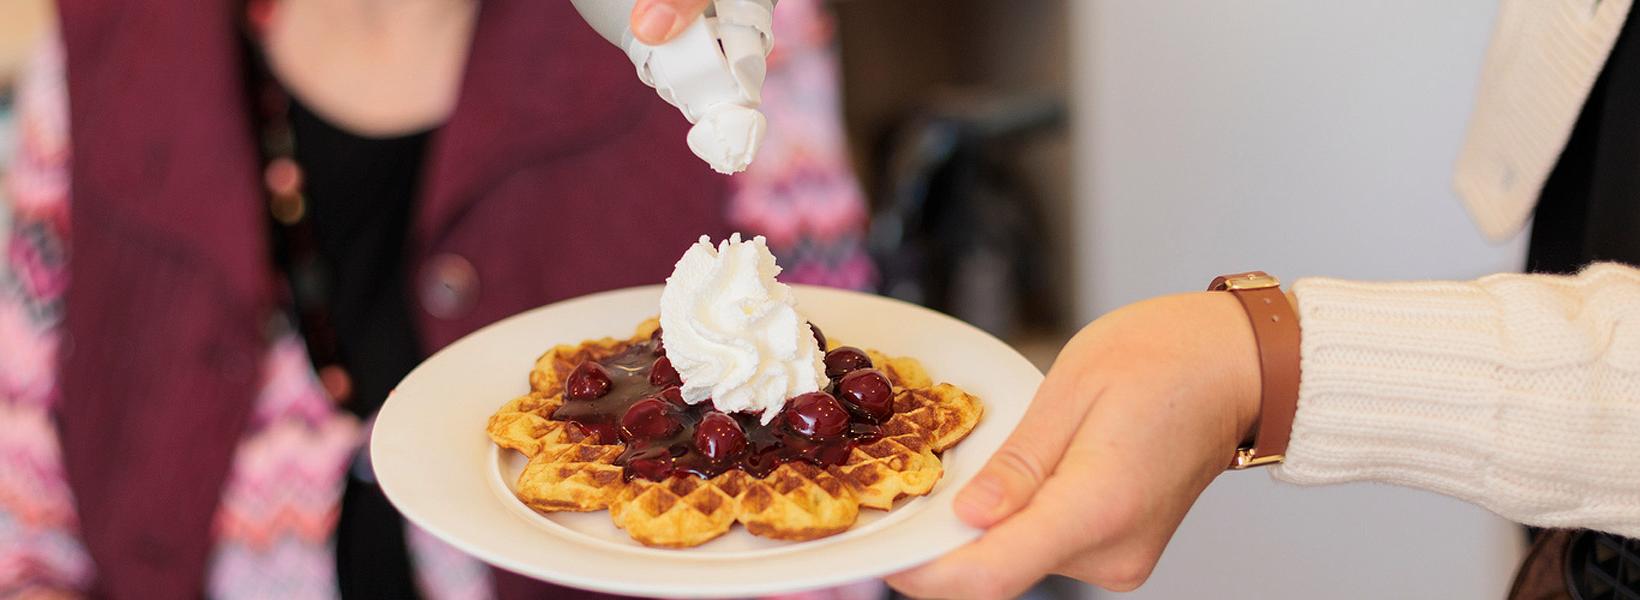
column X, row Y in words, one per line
column 733, row 332
column 727, row 137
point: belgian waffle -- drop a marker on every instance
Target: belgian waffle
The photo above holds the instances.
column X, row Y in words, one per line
column 571, row 470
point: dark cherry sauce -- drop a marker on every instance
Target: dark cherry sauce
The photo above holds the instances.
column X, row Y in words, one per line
column 766, row 446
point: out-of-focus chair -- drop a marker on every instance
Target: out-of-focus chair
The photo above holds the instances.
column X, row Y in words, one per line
column 956, row 228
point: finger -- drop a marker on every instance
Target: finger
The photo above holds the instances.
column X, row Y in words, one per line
column 1124, row 559
column 1010, row 557
column 1093, row 518
column 1030, row 454
column 1144, row 472
column 656, row 22
column 1118, row 569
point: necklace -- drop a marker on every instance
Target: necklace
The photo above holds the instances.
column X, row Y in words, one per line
column 295, row 238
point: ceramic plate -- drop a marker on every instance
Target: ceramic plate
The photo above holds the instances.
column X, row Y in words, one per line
column 438, row 467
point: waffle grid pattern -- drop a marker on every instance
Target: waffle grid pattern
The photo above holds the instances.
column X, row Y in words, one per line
column 570, row 471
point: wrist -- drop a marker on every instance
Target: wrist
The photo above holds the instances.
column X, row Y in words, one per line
column 1246, row 381
column 1237, row 358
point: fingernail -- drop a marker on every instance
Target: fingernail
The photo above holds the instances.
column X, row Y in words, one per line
column 979, row 500
column 656, row 22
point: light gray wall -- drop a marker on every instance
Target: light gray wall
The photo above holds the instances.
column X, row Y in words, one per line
column 1305, row 139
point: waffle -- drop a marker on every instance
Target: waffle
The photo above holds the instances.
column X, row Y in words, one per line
column 569, row 470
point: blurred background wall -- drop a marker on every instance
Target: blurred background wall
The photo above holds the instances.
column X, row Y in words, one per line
column 1207, row 137
column 1304, row 139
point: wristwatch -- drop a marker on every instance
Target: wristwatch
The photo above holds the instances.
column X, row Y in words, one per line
column 1275, row 329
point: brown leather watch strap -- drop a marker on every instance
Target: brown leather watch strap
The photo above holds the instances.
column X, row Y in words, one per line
column 1275, row 329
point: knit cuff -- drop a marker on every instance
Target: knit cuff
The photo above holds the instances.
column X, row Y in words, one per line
column 1499, row 391
column 1396, row 384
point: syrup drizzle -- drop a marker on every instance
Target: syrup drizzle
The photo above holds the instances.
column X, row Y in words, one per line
column 767, row 446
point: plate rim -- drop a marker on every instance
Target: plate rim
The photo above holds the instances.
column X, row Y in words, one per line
column 390, row 413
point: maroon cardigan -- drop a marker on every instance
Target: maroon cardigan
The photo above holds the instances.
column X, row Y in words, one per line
column 557, row 175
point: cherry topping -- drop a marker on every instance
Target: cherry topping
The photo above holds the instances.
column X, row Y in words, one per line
column 648, row 419
column 818, row 337
column 719, row 437
column 868, row 390
column 816, row 415
column 655, row 339
column 662, row 436
column 662, row 374
column 588, row 381
column 653, row 469
column 672, row 394
column 844, row 359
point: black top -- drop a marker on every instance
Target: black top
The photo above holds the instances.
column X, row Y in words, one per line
column 360, row 195
column 1590, row 207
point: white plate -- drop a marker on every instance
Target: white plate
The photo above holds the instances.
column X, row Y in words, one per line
column 437, row 466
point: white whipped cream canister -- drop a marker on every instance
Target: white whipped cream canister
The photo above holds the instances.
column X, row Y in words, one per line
column 713, row 72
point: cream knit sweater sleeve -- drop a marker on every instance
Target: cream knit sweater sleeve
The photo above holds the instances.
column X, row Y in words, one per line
column 1520, row 393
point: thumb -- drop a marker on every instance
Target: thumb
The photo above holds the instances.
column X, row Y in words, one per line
column 1013, row 475
column 656, row 22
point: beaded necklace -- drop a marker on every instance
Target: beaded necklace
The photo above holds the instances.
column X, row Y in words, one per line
column 295, row 238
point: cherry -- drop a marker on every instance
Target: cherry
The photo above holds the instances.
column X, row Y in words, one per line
column 763, row 462
column 588, row 381
column 816, row 415
column 827, row 455
column 655, row 340
column 649, row 418
column 719, row 437
column 844, row 359
column 653, row 469
column 672, row 394
column 869, row 390
column 818, row 337
column 662, row 374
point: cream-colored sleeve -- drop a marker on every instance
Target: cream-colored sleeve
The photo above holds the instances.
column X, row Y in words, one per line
column 1520, row 393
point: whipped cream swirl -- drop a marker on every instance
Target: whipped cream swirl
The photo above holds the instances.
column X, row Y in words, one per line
column 733, row 332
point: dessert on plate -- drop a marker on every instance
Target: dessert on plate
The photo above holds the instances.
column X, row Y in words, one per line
column 729, row 408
